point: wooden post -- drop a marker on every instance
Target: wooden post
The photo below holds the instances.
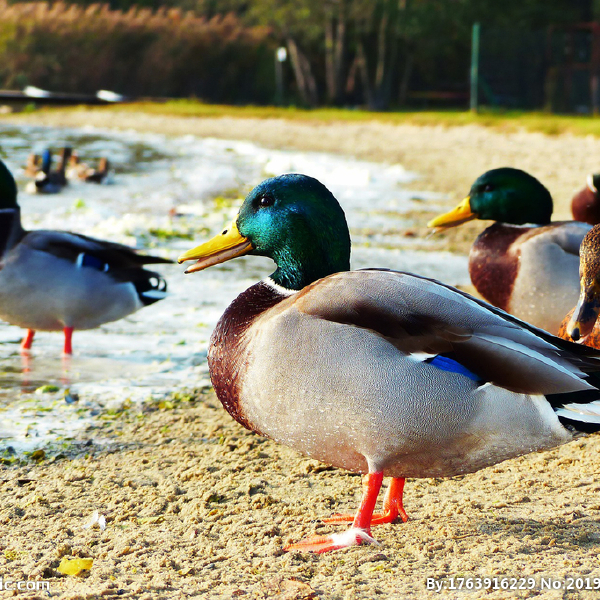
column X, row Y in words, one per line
column 474, row 67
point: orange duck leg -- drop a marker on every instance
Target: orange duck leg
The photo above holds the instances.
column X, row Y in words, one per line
column 359, row 533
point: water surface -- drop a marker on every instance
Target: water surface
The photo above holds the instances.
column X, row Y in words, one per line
column 169, row 194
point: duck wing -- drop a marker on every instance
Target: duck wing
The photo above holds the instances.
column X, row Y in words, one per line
column 76, row 247
column 425, row 319
column 566, row 235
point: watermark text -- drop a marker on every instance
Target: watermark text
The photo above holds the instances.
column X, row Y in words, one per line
column 24, row 586
column 512, row 583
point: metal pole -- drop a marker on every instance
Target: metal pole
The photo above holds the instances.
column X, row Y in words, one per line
column 278, row 82
column 280, row 58
column 474, row 66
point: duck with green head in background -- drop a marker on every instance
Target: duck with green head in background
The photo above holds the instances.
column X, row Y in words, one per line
column 62, row 281
column 585, row 204
column 523, row 263
column 379, row 372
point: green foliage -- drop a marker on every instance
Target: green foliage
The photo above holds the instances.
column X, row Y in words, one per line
column 373, row 53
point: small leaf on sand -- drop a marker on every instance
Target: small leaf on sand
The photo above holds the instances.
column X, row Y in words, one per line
column 74, row 566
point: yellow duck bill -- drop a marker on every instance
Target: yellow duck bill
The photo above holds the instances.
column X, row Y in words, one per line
column 461, row 214
column 223, row 247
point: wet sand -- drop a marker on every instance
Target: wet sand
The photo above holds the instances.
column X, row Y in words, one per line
column 196, row 506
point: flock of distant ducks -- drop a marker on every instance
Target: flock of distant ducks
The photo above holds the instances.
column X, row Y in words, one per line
column 47, row 180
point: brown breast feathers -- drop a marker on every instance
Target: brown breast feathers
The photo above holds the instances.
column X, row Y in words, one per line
column 493, row 267
column 227, row 355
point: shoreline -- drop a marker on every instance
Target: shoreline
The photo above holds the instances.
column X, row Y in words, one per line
column 447, row 158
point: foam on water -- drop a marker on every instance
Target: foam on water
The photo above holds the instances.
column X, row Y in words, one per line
column 162, row 348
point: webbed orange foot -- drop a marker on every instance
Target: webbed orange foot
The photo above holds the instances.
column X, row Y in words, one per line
column 336, row 541
column 359, row 533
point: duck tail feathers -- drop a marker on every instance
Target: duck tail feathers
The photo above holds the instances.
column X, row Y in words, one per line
column 578, row 423
column 582, row 414
column 149, row 259
column 151, row 288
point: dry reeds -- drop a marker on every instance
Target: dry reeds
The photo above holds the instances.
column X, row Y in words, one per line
column 68, row 48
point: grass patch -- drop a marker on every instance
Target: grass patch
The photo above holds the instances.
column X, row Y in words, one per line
column 170, row 234
column 548, row 124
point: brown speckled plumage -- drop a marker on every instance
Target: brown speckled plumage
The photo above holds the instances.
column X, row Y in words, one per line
column 589, row 256
column 592, row 340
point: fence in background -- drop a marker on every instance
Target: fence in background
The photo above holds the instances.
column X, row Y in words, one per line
column 556, row 70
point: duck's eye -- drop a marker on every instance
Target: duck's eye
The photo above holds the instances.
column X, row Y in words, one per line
column 488, row 188
column 266, row 201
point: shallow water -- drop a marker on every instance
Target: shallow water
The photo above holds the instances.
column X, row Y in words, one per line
column 162, row 348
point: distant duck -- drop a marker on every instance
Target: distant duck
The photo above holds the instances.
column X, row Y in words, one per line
column 48, row 181
column 34, row 165
column 581, row 324
column 76, row 170
column 57, row 280
column 102, row 174
column 523, row 263
column 585, row 205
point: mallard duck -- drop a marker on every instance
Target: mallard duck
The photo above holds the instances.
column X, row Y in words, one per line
column 48, row 181
column 56, row 280
column 76, row 170
column 523, row 263
column 102, row 174
column 585, row 205
column 33, row 166
column 581, row 323
column 376, row 371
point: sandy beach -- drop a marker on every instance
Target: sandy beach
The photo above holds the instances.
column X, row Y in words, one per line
column 196, row 506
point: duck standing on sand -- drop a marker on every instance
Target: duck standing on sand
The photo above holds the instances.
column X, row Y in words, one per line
column 523, row 263
column 56, row 280
column 377, row 371
column 581, row 324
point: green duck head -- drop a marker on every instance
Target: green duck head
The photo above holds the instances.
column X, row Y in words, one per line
column 506, row 195
column 8, row 188
column 293, row 219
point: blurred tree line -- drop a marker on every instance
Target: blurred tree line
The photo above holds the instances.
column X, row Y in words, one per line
column 341, row 52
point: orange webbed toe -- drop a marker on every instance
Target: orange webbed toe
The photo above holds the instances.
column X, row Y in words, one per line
column 336, row 541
